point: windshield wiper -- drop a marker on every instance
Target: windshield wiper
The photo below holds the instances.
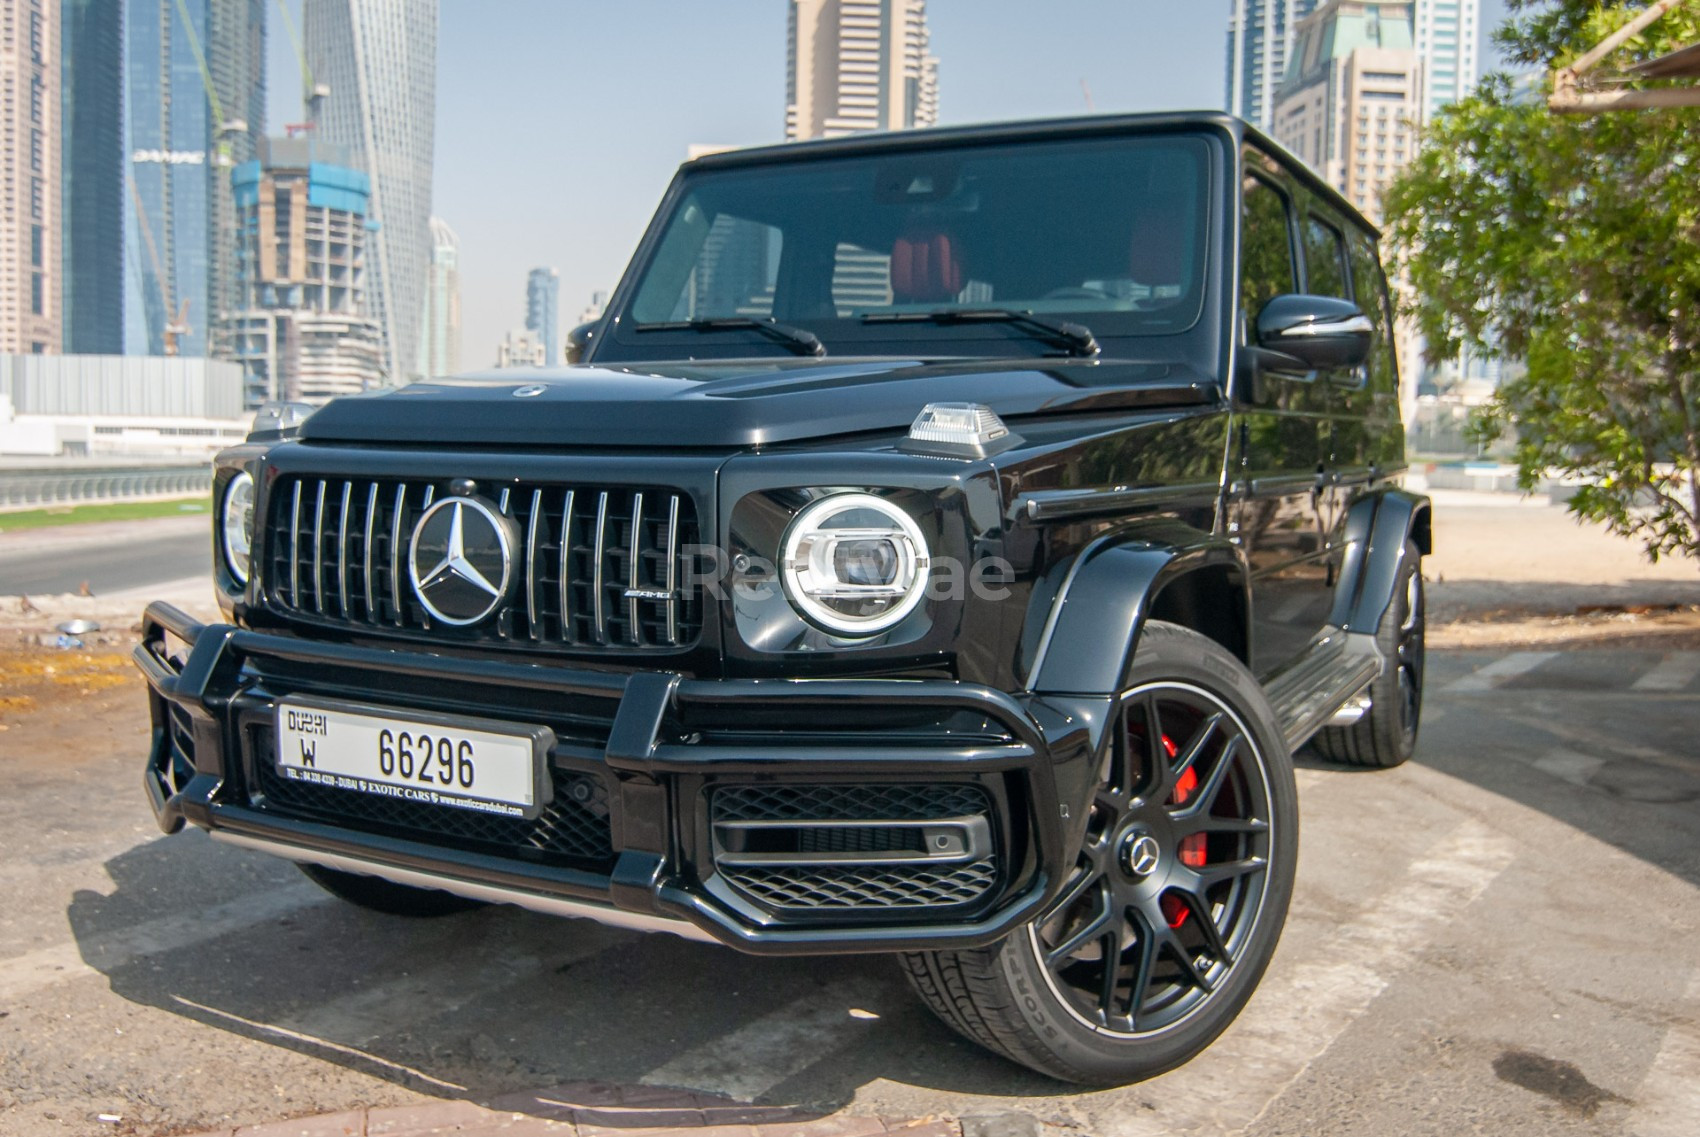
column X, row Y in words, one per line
column 799, row 340
column 1077, row 338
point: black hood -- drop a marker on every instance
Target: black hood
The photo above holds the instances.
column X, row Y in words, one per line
column 735, row 405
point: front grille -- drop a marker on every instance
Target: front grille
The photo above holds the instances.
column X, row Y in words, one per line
column 853, row 847
column 597, row 567
column 574, row 827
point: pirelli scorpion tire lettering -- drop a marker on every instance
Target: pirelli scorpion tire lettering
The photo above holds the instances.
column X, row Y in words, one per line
column 1167, row 920
column 386, row 896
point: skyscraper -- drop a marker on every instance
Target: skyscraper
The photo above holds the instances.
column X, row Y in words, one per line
column 1352, row 96
column 1350, row 107
column 236, row 66
column 379, row 59
column 857, row 65
column 439, row 337
column 543, row 311
column 195, row 88
column 1260, row 40
column 29, row 176
column 300, row 327
column 1446, row 35
column 92, row 169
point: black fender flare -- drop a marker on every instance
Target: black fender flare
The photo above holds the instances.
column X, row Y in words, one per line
column 1377, row 527
column 1106, row 594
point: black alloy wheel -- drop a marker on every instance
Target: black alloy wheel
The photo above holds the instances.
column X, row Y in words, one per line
column 1172, row 873
column 1170, row 910
column 1386, row 735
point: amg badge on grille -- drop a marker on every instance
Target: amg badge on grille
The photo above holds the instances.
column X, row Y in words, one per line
column 461, row 560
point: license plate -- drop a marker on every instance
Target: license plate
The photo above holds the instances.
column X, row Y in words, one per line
column 430, row 759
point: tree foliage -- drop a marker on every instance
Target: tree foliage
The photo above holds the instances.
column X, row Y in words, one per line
column 1572, row 243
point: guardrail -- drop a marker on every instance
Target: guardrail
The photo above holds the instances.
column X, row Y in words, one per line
column 33, row 488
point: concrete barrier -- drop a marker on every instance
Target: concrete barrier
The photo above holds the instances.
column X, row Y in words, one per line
column 35, row 487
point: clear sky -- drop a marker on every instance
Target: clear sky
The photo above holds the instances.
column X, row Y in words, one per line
column 559, row 122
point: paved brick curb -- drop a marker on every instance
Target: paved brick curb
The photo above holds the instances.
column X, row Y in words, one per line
column 592, row 1110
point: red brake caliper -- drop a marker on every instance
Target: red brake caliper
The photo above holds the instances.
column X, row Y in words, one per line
column 1192, row 849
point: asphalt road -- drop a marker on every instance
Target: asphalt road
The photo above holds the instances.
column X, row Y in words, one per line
column 1502, row 936
column 108, row 557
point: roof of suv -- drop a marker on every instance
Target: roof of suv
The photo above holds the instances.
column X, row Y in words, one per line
column 1028, row 130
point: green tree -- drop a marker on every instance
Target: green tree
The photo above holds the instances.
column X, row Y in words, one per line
column 1572, row 243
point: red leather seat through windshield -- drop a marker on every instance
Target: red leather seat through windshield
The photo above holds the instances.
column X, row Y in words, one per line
column 925, row 268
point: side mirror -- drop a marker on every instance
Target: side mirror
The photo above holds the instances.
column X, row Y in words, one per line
column 1318, row 333
column 578, row 340
column 279, row 420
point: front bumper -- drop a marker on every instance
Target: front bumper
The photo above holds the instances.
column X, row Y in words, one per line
column 645, row 754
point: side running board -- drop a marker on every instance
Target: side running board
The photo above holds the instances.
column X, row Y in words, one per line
column 1332, row 672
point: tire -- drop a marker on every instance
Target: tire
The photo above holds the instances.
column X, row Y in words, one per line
column 386, row 896
column 1387, row 734
column 1196, row 764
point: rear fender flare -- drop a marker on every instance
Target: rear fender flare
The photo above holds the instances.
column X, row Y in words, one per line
column 1377, row 528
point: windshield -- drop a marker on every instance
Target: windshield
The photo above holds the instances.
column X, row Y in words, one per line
column 1109, row 233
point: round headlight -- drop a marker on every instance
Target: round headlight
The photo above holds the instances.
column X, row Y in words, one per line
column 854, row 564
column 236, row 525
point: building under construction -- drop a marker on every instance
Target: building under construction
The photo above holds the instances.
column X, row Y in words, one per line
column 301, row 329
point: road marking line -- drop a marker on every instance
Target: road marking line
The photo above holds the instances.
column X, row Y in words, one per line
column 371, row 1013
column 1672, row 673
column 1568, row 765
column 759, row 1055
column 102, row 953
column 1294, row 1018
column 297, row 1036
column 1501, row 670
column 1668, row 1101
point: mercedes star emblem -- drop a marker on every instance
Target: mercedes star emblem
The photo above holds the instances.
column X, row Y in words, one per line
column 529, row 392
column 1140, row 854
column 461, row 560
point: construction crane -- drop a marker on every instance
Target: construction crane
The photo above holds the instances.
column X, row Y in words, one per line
column 221, row 144
column 176, row 328
column 312, row 94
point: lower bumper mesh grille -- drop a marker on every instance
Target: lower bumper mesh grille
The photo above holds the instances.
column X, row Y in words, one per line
column 568, row 829
column 826, row 889
column 847, row 803
column 854, row 847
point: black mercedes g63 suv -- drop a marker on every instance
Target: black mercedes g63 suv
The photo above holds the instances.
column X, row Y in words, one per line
column 939, row 549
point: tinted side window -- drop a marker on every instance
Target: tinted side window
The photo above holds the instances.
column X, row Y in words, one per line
column 1325, row 260
column 1266, row 246
column 1370, row 287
